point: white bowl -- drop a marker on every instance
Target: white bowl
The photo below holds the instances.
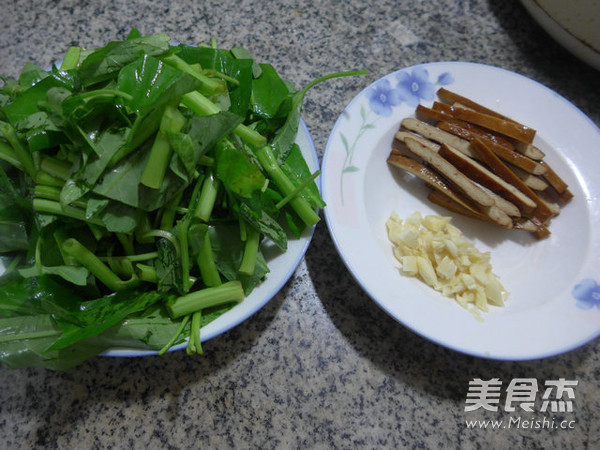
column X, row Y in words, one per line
column 575, row 24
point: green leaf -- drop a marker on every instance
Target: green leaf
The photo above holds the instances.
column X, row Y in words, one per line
column 122, row 183
column 265, row 223
column 73, row 274
column 100, row 314
column 104, row 63
column 28, row 102
column 296, row 168
column 149, row 331
column 39, row 295
column 168, row 269
column 31, row 74
column 14, row 210
column 228, row 251
column 120, row 218
column 94, row 206
column 184, row 162
column 268, row 92
column 107, row 145
column 237, row 174
column 40, row 131
column 222, row 61
column 153, row 84
column 206, row 131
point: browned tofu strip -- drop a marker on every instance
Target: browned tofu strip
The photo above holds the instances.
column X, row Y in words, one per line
column 565, row 196
column 485, row 177
column 550, row 201
column 452, row 97
column 524, row 224
column 509, row 208
column 449, row 171
column 402, row 135
column 432, row 178
column 473, row 192
column 535, row 182
column 450, row 204
column 529, row 150
column 539, row 229
column 446, row 202
column 470, row 132
column 541, row 211
column 505, row 127
column 555, row 181
column 438, row 135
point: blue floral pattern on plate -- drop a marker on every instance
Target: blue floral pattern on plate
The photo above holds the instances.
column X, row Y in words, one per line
column 587, row 294
column 383, row 98
column 411, row 87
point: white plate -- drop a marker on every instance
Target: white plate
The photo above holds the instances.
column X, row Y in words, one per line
column 573, row 24
column 281, row 266
column 543, row 317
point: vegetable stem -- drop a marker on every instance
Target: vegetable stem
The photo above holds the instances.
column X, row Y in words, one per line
column 48, row 180
column 208, row 196
column 55, row 167
column 206, row 264
column 331, row 76
column 53, row 193
column 160, row 153
column 8, row 154
column 53, row 207
column 250, row 251
column 20, row 151
column 147, row 273
column 170, row 210
column 174, row 338
column 300, row 205
column 133, row 258
column 165, row 235
column 105, row 93
column 229, row 292
column 182, row 234
column 91, row 262
column 194, row 345
column 209, row 86
column 60, row 236
column 281, row 203
column 202, row 106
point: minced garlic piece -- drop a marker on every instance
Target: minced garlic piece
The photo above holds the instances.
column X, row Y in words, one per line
column 436, row 252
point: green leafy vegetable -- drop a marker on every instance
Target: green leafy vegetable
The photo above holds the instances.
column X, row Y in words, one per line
column 138, row 184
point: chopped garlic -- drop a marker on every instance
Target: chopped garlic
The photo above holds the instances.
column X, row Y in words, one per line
column 446, row 268
column 435, row 251
column 426, row 271
column 409, row 265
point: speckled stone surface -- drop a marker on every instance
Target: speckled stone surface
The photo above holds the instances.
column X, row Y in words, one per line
column 321, row 366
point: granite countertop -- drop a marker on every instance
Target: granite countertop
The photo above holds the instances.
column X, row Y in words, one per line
column 321, row 365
